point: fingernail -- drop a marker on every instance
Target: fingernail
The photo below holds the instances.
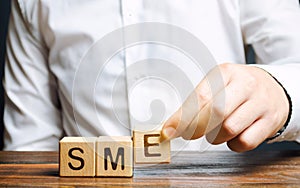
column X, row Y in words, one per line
column 169, row 133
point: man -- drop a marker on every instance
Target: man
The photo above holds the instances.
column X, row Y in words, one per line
column 49, row 41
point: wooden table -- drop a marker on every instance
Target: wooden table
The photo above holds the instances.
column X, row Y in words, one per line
column 195, row 169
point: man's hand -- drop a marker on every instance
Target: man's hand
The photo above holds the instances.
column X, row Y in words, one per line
column 249, row 107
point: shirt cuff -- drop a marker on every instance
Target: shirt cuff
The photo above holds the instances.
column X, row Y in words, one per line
column 289, row 76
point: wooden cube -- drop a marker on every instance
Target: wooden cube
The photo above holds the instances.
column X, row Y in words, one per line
column 114, row 156
column 149, row 147
column 77, row 156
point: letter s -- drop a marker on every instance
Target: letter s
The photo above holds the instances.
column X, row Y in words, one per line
column 70, row 153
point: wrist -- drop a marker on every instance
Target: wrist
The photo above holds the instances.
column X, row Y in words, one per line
column 283, row 128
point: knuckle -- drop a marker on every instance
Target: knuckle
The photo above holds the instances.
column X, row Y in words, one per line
column 187, row 134
column 247, row 144
column 203, row 96
column 229, row 129
column 225, row 67
column 218, row 111
column 251, row 81
column 215, row 136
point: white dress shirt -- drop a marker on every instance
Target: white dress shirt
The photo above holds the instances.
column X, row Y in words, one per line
column 49, row 42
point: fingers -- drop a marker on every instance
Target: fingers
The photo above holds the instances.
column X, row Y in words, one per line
column 177, row 124
column 198, row 125
column 216, row 111
column 233, row 125
column 251, row 137
column 206, row 107
column 246, row 108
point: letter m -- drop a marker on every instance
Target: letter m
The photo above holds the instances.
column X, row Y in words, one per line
column 114, row 163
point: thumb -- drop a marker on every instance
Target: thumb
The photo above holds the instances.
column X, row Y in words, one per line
column 176, row 125
column 169, row 130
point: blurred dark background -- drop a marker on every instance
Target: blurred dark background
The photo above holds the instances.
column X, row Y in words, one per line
column 4, row 15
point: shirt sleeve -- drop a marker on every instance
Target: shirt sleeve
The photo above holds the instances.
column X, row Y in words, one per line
column 272, row 27
column 32, row 111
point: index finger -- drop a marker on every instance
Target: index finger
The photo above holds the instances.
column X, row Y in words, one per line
column 202, row 95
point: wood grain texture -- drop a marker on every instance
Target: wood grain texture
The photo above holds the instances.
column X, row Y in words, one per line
column 149, row 147
column 188, row 169
column 77, row 156
column 114, row 156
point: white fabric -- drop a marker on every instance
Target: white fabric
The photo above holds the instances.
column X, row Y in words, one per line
column 48, row 39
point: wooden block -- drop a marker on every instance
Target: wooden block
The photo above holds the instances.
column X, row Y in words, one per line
column 77, row 156
column 148, row 147
column 114, row 156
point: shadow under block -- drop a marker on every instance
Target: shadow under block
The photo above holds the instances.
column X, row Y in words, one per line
column 148, row 147
column 114, row 156
column 77, row 156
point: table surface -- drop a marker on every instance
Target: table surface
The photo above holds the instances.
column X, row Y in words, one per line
column 195, row 169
